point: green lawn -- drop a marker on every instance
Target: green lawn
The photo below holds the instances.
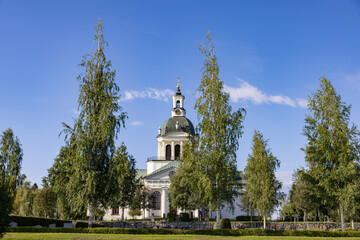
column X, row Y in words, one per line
column 85, row 236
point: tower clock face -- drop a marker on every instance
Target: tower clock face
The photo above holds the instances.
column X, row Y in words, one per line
column 177, row 111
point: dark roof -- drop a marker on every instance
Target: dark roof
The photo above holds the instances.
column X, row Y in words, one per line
column 185, row 125
column 171, row 164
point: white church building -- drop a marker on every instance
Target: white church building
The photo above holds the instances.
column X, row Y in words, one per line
column 171, row 138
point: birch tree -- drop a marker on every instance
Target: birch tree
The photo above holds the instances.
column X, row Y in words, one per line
column 96, row 128
column 262, row 187
column 219, row 131
column 331, row 151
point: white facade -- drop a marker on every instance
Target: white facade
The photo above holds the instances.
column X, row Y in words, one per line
column 171, row 139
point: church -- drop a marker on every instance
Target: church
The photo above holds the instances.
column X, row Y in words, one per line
column 171, row 138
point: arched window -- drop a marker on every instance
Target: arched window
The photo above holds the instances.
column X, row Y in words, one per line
column 168, row 152
column 177, row 151
column 157, row 195
column 178, row 104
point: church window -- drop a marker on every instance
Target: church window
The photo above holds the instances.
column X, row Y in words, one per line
column 178, row 104
column 157, row 195
column 177, row 151
column 168, row 152
column 115, row 211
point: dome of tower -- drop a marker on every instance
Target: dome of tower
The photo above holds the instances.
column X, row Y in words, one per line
column 185, row 125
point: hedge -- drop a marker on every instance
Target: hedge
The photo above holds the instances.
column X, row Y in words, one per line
column 224, row 223
column 33, row 221
column 184, row 217
column 171, row 217
column 222, row 232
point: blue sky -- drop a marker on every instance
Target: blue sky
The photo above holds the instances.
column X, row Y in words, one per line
column 271, row 55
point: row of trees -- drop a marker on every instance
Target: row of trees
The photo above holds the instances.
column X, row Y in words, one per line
column 329, row 185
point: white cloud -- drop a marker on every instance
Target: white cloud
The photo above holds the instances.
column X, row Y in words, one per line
column 248, row 92
column 302, row 102
column 136, row 123
column 153, row 93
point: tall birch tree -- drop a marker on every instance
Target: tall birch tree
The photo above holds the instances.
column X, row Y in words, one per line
column 96, row 128
column 331, row 150
column 219, row 131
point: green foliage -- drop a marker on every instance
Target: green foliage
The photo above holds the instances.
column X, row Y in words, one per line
column 303, row 197
column 171, row 217
column 225, row 224
column 81, row 175
column 5, row 206
column 123, row 179
column 184, row 186
column 223, row 232
column 331, row 152
column 207, row 175
column 86, row 224
column 262, row 188
column 10, row 177
column 184, row 217
column 11, row 156
column 33, row 221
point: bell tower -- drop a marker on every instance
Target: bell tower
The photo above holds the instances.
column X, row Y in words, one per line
column 178, row 103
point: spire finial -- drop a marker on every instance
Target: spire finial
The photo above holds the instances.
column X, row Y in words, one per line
column 178, row 85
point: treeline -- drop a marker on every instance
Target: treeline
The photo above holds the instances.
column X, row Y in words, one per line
column 328, row 187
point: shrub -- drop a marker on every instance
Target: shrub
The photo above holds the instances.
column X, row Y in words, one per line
column 224, row 223
column 184, row 217
column 33, row 221
column 171, row 217
column 86, row 225
column 243, row 218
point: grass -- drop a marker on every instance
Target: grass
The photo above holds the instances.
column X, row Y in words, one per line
column 81, row 236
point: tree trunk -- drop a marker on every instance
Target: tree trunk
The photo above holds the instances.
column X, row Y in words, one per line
column 218, row 219
column 91, row 209
column 264, row 222
column 305, row 216
column 352, row 224
column 342, row 218
column 199, row 215
column 122, row 214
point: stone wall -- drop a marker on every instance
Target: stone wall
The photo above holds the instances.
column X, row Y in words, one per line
column 161, row 225
column 234, row 225
column 292, row 225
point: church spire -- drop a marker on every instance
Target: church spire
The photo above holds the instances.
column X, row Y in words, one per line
column 178, row 102
column 178, row 86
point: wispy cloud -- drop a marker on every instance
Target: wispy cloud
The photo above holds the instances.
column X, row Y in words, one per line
column 153, row 93
column 247, row 92
column 136, row 123
column 302, row 102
